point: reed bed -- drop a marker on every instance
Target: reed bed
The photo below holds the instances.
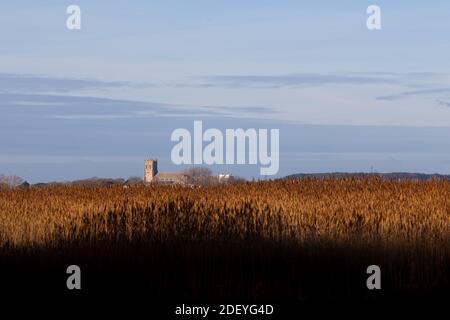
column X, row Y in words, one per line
column 366, row 211
column 403, row 225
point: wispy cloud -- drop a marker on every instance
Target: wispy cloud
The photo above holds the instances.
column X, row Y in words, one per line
column 405, row 75
column 94, row 108
column 22, row 83
column 407, row 94
column 431, row 84
column 294, row 80
column 443, row 103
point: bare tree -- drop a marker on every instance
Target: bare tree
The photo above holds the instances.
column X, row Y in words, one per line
column 201, row 176
column 10, row 181
column 133, row 181
column 198, row 172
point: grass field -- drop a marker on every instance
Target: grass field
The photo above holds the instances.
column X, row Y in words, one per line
column 293, row 239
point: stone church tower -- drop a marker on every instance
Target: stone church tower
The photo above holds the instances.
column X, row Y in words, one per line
column 150, row 170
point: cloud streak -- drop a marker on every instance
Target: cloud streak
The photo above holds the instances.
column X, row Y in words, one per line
column 293, row 80
column 21, row 83
column 414, row 93
column 94, row 108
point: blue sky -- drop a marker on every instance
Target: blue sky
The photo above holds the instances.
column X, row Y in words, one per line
column 101, row 99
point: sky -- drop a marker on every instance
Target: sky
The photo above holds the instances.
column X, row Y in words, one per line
column 98, row 101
